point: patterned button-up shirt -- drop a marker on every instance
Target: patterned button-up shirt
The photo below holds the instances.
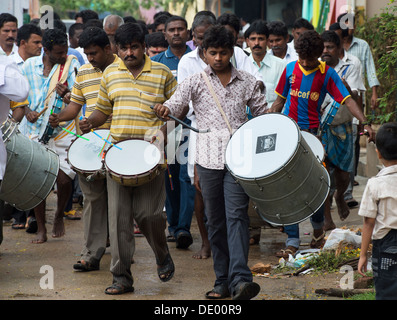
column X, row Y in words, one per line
column 242, row 90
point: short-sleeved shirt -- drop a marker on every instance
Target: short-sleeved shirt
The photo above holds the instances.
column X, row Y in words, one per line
column 380, row 201
column 305, row 92
column 86, row 87
column 169, row 59
column 130, row 99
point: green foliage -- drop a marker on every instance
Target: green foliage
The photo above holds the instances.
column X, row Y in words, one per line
column 380, row 33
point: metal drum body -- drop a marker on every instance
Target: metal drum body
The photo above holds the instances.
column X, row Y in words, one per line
column 137, row 163
column 31, row 170
column 275, row 166
column 85, row 156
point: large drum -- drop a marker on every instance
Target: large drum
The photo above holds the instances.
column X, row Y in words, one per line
column 315, row 145
column 85, row 156
column 134, row 162
column 31, row 169
column 275, row 166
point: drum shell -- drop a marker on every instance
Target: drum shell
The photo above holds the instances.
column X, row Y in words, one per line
column 30, row 174
column 294, row 192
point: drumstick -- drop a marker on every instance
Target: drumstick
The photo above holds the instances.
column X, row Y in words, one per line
column 42, row 111
column 107, row 141
column 75, row 134
column 186, row 125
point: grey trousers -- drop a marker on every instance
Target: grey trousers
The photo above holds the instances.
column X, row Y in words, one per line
column 145, row 204
column 95, row 218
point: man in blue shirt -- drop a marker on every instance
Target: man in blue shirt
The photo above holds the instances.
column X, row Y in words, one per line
column 180, row 192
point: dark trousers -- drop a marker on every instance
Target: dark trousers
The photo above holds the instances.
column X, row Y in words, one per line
column 226, row 206
column 384, row 265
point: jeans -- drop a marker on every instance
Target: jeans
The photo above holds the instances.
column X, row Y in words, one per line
column 317, row 221
column 226, row 206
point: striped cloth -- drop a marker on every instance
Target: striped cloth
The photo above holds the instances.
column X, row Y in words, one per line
column 130, row 99
column 338, row 144
column 86, row 87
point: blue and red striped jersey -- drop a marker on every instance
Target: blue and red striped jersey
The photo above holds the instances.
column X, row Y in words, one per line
column 305, row 92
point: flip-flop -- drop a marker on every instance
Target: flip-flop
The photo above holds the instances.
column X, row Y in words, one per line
column 32, row 225
column 167, row 269
column 120, row 289
column 222, row 290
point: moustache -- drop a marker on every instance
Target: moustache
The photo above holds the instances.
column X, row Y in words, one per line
column 10, row 38
column 277, row 48
column 257, row 47
column 129, row 57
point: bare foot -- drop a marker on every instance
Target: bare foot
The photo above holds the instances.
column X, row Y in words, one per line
column 343, row 208
column 329, row 226
column 203, row 253
column 58, row 229
column 40, row 239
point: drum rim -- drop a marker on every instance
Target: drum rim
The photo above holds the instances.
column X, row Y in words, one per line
column 74, row 167
column 143, row 174
column 280, row 168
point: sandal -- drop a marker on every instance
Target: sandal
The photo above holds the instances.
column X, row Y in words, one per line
column 119, row 289
column 220, row 290
column 86, row 266
column 284, row 253
column 166, row 270
column 318, row 243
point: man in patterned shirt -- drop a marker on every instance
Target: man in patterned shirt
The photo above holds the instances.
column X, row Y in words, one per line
column 225, row 201
column 129, row 87
column 96, row 45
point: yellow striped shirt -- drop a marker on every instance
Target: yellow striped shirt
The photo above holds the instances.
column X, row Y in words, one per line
column 129, row 98
column 86, row 87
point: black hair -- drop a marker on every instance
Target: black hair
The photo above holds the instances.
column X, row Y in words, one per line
column 55, row 15
column 52, row 37
column 156, row 39
column 74, row 27
column 6, row 17
column 309, row 45
column 129, row 19
column 229, row 19
column 302, row 23
column 218, row 36
column 26, row 31
column 258, row 27
column 87, row 15
column 336, row 26
column 341, row 16
column 278, row 28
column 161, row 19
column 93, row 36
column 162, row 13
column 128, row 33
column 386, row 141
column 331, row 36
column 143, row 26
column 93, row 23
column 58, row 24
column 175, row 18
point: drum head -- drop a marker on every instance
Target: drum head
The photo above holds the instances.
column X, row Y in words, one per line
column 315, row 145
column 136, row 157
column 261, row 146
column 85, row 155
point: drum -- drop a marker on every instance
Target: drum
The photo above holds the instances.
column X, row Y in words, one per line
column 277, row 169
column 315, row 145
column 85, row 156
column 134, row 163
column 31, row 169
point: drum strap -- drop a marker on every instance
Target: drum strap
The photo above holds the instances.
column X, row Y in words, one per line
column 217, row 101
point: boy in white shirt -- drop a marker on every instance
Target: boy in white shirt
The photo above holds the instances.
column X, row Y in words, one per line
column 379, row 209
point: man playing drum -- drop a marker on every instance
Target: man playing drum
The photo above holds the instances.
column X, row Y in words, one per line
column 51, row 77
column 129, row 87
column 96, row 45
column 301, row 90
column 225, row 201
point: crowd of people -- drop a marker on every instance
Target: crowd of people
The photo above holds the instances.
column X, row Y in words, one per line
column 129, row 77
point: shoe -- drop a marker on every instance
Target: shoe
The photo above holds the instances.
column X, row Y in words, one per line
column 183, row 241
column 166, row 270
column 171, row 238
column 246, row 290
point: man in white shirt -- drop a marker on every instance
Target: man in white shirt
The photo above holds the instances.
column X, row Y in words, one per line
column 269, row 66
column 8, row 34
column 10, row 78
column 278, row 42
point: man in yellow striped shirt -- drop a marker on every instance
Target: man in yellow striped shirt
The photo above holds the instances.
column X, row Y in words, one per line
column 96, row 45
column 129, row 87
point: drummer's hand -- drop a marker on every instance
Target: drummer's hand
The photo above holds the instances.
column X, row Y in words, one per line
column 371, row 133
column 62, row 89
column 161, row 111
column 54, row 120
column 32, row 116
column 85, row 125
